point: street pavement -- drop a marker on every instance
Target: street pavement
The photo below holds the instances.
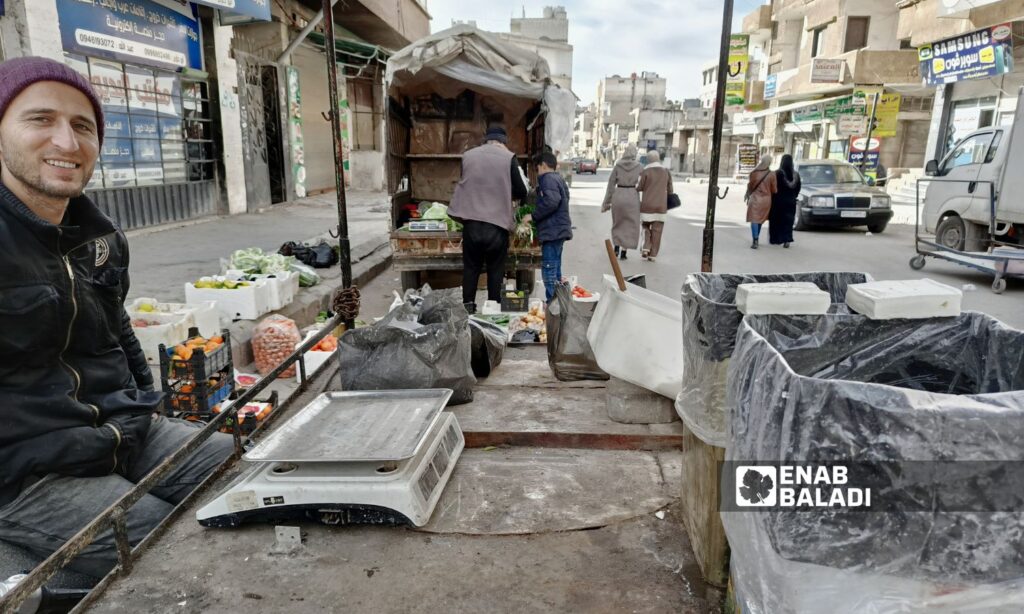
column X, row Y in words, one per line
column 884, row 256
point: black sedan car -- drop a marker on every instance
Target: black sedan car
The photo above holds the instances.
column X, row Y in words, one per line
column 836, row 194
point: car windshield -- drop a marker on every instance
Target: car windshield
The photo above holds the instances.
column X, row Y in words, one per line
column 825, row 174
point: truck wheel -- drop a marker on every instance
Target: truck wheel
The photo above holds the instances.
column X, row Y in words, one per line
column 877, row 229
column 525, row 281
column 410, row 280
column 951, row 232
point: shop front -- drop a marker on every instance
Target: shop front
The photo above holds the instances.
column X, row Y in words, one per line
column 144, row 57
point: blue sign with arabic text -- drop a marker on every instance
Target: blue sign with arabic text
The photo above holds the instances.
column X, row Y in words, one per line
column 160, row 33
column 771, row 86
column 976, row 55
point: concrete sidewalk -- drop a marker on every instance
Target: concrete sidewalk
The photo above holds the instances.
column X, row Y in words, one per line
column 163, row 259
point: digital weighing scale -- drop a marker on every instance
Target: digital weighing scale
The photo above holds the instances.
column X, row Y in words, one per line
column 379, row 457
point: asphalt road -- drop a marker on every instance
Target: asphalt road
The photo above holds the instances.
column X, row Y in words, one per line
column 884, row 256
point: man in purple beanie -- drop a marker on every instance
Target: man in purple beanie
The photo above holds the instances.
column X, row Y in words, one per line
column 78, row 422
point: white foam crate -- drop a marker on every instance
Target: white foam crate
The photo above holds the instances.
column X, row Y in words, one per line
column 283, row 287
column 635, row 337
column 206, row 316
column 246, row 303
column 314, row 360
column 782, row 298
column 908, row 298
column 171, row 330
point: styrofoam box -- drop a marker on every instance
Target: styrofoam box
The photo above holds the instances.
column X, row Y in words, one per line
column 283, row 287
column 172, row 330
column 205, row 314
column 247, row 303
column 314, row 360
column 635, row 337
column 782, row 298
column 908, row 298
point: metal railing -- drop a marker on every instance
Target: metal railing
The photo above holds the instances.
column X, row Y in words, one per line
column 114, row 517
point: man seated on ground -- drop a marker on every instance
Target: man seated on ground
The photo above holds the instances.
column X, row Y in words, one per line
column 76, row 429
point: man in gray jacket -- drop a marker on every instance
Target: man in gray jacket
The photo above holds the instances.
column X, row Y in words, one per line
column 491, row 180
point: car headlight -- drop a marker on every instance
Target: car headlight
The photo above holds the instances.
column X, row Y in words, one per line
column 821, row 201
column 880, row 202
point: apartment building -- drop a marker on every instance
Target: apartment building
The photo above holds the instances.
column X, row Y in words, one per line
column 826, row 60
column 617, row 97
column 583, row 133
column 548, row 37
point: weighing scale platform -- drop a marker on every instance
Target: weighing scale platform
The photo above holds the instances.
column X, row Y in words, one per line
column 349, row 457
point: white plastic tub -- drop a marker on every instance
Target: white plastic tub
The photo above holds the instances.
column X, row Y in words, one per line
column 246, row 303
column 282, row 287
column 635, row 337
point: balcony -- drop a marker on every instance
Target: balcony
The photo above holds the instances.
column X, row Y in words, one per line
column 391, row 24
column 863, row 67
column 758, row 19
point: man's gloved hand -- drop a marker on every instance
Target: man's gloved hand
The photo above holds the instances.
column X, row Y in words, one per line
column 131, row 431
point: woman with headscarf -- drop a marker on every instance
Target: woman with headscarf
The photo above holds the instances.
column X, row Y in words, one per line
column 760, row 188
column 655, row 184
column 780, row 219
column 624, row 201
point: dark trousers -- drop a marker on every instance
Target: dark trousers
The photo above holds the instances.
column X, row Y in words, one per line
column 484, row 248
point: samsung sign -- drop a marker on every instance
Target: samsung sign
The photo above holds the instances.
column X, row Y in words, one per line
column 979, row 54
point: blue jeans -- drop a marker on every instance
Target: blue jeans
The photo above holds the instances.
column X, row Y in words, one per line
column 551, row 265
column 755, row 231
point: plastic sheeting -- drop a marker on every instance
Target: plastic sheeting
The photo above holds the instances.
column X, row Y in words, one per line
column 710, row 321
column 843, row 387
column 559, row 125
column 424, row 343
column 569, row 352
column 489, row 341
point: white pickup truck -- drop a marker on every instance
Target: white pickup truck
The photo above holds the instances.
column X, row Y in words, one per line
column 958, row 201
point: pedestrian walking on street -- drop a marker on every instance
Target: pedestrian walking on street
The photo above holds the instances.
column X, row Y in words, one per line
column 655, row 184
column 760, row 188
column 482, row 202
column 783, row 212
column 554, row 226
column 623, row 200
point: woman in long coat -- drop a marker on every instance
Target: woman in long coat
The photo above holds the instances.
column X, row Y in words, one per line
column 760, row 188
column 624, row 201
column 780, row 220
column 655, row 185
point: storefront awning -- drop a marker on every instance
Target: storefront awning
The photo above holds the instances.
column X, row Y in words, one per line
column 259, row 11
column 792, row 107
column 353, row 54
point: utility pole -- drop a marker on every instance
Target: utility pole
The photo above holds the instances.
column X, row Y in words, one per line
column 345, row 256
column 708, row 248
column 871, row 127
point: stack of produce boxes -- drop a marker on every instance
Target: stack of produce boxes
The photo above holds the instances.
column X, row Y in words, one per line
column 197, row 375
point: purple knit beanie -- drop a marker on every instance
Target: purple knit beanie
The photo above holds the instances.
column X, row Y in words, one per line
column 19, row 73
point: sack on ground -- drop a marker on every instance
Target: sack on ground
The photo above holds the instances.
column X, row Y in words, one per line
column 425, row 343
column 273, row 340
column 489, row 342
column 569, row 353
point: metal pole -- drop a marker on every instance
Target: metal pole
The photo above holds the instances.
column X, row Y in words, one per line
column 301, row 36
column 867, row 145
column 708, row 249
column 339, row 160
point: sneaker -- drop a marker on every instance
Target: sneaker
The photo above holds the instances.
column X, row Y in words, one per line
column 470, row 308
column 650, row 258
column 646, row 254
column 786, row 245
column 622, row 255
column 754, row 244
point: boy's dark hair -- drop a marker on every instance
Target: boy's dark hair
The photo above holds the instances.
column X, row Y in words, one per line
column 547, row 158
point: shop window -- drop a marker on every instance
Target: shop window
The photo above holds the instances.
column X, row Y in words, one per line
column 157, row 125
column 856, row 33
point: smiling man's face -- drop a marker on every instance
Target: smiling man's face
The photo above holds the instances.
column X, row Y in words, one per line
column 48, row 142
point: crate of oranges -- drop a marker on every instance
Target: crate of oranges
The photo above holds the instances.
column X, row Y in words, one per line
column 197, row 374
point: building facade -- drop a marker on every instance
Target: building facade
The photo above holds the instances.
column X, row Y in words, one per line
column 617, row 97
column 548, row 37
column 205, row 114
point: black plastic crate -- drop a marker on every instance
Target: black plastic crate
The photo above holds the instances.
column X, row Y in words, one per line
column 517, row 304
column 249, row 423
column 187, row 397
column 200, row 366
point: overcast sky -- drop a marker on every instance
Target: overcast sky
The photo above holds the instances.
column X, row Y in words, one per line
column 673, row 38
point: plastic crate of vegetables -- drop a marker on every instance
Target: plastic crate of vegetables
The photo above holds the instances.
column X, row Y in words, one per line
column 516, row 302
column 197, row 358
column 199, row 399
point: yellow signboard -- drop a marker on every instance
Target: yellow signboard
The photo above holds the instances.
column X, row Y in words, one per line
column 887, row 113
column 739, row 62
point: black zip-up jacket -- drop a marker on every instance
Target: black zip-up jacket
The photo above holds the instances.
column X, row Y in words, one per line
column 68, row 356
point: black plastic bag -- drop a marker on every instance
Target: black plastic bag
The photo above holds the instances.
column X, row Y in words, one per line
column 320, row 256
column 489, row 342
column 916, row 394
column 569, row 353
column 421, row 344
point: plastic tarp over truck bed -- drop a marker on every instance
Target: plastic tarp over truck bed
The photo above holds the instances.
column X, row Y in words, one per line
column 846, row 388
column 710, row 322
column 462, row 57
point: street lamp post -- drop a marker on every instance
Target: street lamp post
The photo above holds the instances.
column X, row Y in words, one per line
column 708, row 247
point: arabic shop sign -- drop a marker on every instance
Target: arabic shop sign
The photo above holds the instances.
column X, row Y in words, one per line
column 984, row 53
column 162, row 33
column 258, row 9
column 739, row 62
